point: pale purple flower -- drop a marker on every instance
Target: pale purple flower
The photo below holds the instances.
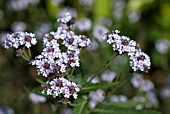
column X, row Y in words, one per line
column 61, row 87
column 61, row 51
column 20, row 39
column 122, row 44
column 84, row 24
column 35, row 98
column 144, row 85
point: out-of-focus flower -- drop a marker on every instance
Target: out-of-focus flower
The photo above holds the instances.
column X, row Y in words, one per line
column 35, row 99
column 105, row 21
column 61, row 87
column 108, row 76
column 144, row 85
column 139, row 99
column 165, row 92
column 83, row 25
column 6, row 110
column 98, row 32
column 18, row 26
column 42, row 29
column 118, row 9
column 3, row 35
column 16, row 5
column 151, row 96
column 162, row 45
column 134, row 16
column 96, row 97
column 94, row 45
column 64, row 10
column 87, row 4
column 118, row 98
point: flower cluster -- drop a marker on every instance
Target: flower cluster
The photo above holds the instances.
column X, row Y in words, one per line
column 20, row 39
column 61, row 86
column 121, row 44
column 61, row 51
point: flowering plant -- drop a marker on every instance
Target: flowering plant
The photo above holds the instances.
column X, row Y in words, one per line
column 60, row 57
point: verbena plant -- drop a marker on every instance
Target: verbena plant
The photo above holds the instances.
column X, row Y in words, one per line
column 60, row 56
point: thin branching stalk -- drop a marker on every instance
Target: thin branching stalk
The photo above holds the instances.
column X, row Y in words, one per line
column 120, row 85
column 103, row 68
column 25, row 58
column 29, row 52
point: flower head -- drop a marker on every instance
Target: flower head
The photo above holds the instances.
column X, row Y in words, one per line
column 61, row 86
column 61, row 51
column 122, row 44
column 17, row 39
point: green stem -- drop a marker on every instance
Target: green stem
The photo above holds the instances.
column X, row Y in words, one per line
column 74, row 105
column 121, row 84
column 103, row 68
column 36, row 109
column 25, row 58
column 83, row 105
column 25, row 54
column 29, row 52
column 39, row 81
column 72, row 71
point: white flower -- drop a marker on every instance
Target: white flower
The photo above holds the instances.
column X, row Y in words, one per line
column 61, row 51
column 67, row 18
column 61, row 86
column 122, row 44
column 20, row 39
column 140, row 61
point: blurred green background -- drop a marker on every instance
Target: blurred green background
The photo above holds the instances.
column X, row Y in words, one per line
column 145, row 21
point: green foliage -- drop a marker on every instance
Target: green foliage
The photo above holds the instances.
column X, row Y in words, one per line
column 17, row 79
column 111, row 110
column 96, row 86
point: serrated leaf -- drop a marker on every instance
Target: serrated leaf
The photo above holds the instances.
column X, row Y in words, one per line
column 96, row 86
column 122, row 111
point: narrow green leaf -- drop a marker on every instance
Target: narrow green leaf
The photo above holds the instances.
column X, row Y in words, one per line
column 123, row 111
column 96, row 86
column 127, row 104
column 39, row 81
column 81, row 109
